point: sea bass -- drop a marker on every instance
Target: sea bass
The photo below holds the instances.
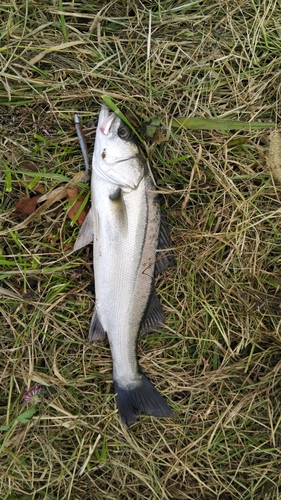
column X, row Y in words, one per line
column 129, row 237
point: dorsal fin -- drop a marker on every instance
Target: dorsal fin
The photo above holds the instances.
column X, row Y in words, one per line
column 164, row 256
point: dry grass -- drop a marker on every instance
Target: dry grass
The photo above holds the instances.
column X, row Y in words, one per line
column 218, row 360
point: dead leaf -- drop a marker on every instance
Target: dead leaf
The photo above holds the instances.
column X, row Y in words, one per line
column 72, row 192
column 49, row 198
column 59, row 193
column 39, row 188
column 26, row 205
column 132, row 119
column 159, row 136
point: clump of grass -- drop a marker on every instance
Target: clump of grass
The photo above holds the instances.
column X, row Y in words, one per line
column 218, row 359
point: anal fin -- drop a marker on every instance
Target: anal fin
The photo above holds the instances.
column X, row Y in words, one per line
column 96, row 330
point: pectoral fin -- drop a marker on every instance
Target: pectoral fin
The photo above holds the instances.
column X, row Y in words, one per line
column 85, row 236
column 116, row 195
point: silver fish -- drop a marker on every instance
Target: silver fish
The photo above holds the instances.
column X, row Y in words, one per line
column 129, row 237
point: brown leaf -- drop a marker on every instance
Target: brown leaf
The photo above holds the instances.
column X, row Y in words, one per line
column 59, row 193
column 72, row 192
column 25, row 205
column 132, row 119
column 39, row 188
column 159, row 136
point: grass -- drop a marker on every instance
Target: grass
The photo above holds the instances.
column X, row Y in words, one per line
column 218, row 360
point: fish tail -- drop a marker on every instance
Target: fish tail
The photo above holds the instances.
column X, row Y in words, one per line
column 144, row 398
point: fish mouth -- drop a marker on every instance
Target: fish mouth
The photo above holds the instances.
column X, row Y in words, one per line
column 106, row 120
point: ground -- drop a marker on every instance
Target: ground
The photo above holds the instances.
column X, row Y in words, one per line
column 217, row 361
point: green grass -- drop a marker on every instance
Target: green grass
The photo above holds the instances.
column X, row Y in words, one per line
column 218, row 360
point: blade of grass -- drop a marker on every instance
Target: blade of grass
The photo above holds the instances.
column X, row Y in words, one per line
column 119, row 113
column 217, row 124
column 62, row 20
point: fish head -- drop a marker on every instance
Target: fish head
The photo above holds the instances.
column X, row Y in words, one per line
column 117, row 157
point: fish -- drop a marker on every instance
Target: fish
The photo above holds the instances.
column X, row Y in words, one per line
column 131, row 246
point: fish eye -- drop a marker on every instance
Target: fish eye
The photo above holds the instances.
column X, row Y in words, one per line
column 124, row 133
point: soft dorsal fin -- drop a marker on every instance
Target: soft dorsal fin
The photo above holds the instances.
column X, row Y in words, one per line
column 85, row 235
column 154, row 316
column 164, row 256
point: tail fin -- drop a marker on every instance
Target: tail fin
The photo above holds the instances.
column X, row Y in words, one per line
column 141, row 399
